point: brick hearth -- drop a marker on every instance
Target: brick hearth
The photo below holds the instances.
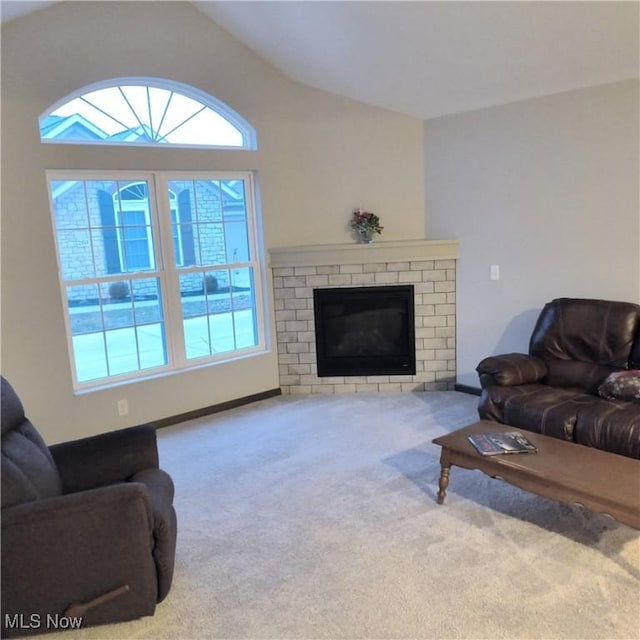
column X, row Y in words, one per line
column 430, row 266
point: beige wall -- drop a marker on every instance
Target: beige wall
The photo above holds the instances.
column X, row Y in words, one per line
column 548, row 190
column 319, row 156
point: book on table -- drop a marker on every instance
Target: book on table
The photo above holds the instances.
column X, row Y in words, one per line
column 494, row 444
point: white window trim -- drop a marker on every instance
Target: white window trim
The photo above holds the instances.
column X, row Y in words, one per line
column 224, row 110
column 168, row 276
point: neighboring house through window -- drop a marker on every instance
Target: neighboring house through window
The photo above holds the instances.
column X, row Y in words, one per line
column 159, row 270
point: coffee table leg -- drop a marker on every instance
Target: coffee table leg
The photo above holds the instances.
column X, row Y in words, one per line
column 445, row 467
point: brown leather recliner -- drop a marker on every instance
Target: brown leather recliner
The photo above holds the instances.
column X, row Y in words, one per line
column 575, row 345
column 88, row 527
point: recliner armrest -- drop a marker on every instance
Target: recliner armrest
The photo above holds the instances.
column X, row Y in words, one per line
column 93, row 506
column 68, row 549
column 511, row 369
column 106, row 458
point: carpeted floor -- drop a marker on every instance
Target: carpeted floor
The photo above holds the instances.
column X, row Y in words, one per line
column 315, row 517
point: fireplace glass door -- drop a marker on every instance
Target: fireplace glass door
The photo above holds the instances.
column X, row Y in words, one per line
column 364, row 331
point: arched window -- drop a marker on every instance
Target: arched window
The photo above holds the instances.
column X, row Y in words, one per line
column 145, row 111
column 160, row 270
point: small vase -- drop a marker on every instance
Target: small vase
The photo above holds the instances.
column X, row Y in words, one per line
column 365, row 237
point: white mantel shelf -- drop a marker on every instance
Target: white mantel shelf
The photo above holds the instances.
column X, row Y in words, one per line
column 393, row 251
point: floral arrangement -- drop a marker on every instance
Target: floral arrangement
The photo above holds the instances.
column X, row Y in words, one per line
column 365, row 223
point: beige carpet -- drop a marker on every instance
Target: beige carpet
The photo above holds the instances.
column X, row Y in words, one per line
column 315, row 517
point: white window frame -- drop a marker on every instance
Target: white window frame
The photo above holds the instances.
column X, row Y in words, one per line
column 167, row 271
column 247, row 131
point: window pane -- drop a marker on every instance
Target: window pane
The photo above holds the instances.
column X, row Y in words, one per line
column 102, row 227
column 200, row 199
column 142, row 343
column 242, row 281
column 218, row 291
column 147, row 301
column 180, row 108
column 151, row 345
column 104, row 235
column 135, row 248
column 159, row 101
column 192, row 294
column 76, row 260
column 75, row 254
column 222, row 333
column 99, row 194
column 218, row 318
column 244, row 326
column 90, row 357
column 209, row 200
column 112, row 113
column 117, row 327
column 194, row 314
column 70, row 207
column 206, row 127
column 196, row 337
column 209, row 239
column 139, row 103
column 100, row 240
column 206, row 301
column 117, row 305
column 85, row 314
column 236, row 242
column 233, row 199
column 202, row 235
column 87, row 330
column 122, row 351
column 150, row 330
column 133, row 218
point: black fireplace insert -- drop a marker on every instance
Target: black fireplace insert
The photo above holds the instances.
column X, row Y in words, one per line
column 365, row 331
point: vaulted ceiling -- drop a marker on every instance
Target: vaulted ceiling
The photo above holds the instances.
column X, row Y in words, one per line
column 433, row 58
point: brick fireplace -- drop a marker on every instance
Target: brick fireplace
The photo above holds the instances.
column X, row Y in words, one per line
column 428, row 265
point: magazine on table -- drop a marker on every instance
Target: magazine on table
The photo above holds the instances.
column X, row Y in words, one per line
column 494, row 444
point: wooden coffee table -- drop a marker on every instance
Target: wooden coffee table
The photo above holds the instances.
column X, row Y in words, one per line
column 573, row 473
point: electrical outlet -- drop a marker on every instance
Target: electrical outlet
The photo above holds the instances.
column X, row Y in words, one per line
column 123, row 408
column 495, row 272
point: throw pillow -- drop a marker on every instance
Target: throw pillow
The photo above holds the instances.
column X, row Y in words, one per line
column 621, row 385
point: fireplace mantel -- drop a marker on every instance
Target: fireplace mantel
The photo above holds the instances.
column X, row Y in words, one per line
column 392, row 251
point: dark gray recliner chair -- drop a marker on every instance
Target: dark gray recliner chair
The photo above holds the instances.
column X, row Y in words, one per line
column 88, row 526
